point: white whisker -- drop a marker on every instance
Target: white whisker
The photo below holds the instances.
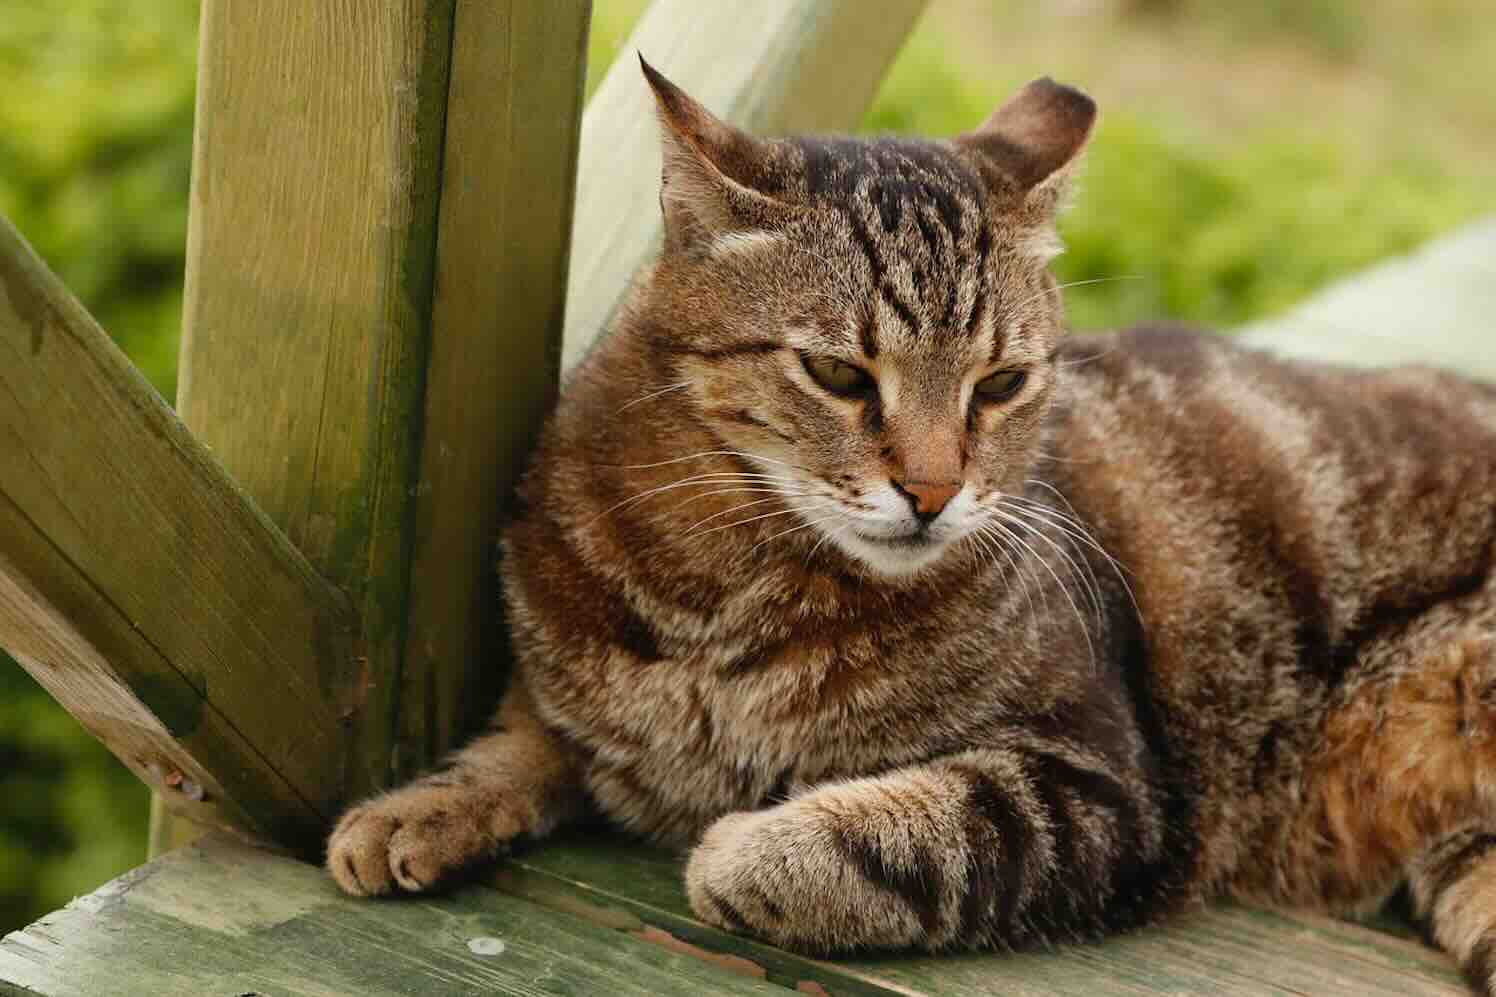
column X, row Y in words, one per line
column 824, row 538
column 711, row 453
column 654, row 394
column 1065, row 591
column 699, row 480
column 1084, row 535
column 1086, row 578
column 1073, row 283
column 802, row 526
column 727, row 512
column 999, row 534
column 1074, row 606
column 767, row 515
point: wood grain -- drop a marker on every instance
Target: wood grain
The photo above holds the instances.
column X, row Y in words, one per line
column 1222, row 950
column 772, row 66
column 142, row 588
column 513, row 113
column 310, row 257
column 217, row 918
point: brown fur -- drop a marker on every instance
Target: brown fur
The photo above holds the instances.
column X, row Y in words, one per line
column 912, row 662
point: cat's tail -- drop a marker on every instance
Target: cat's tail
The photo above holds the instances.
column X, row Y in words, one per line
column 1453, row 886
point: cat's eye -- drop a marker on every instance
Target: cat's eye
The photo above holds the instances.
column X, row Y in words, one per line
column 838, row 376
column 1001, row 386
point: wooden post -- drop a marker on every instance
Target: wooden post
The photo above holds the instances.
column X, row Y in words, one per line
column 308, row 325
column 508, row 178
column 315, row 174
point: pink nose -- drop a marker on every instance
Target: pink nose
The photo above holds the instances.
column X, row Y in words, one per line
column 928, row 498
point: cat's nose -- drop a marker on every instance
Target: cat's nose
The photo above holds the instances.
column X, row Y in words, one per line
column 928, row 498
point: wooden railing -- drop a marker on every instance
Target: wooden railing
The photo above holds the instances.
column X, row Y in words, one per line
column 287, row 597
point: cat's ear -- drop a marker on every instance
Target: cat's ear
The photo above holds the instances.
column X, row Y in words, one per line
column 1034, row 138
column 714, row 179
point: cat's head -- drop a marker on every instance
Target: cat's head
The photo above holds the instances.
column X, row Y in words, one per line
column 873, row 320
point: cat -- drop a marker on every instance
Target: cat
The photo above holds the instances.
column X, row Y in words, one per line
column 924, row 623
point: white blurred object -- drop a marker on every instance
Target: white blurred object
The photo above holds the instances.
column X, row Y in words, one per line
column 1436, row 306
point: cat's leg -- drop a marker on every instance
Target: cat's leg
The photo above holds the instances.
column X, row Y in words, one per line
column 516, row 780
column 991, row 847
column 1405, row 788
column 1454, row 893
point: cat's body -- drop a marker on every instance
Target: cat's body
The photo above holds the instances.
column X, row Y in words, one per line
column 1162, row 618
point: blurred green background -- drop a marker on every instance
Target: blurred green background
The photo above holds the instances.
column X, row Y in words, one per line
column 1248, row 154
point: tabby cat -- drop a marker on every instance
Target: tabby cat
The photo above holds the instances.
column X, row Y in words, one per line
column 922, row 623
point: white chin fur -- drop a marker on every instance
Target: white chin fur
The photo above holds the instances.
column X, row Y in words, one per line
column 887, row 559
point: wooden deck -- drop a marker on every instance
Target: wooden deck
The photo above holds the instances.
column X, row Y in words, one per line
column 599, row 916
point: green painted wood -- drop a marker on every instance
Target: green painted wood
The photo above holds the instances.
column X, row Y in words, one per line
column 144, row 590
column 1222, row 950
column 1435, row 306
column 225, row 920
column 310, row 257
column 508, row 177
column 772, row 66
column 652, row 897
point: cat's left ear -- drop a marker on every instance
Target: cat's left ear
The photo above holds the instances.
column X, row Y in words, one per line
column 1030, row 144
column 714, row 179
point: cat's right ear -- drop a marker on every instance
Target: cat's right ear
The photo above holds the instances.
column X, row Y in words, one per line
column 714, row 179
column 1032, row 140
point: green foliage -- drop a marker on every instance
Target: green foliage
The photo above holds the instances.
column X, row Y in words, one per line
column 1221, row 239
column 95, row 155
column 70, row 815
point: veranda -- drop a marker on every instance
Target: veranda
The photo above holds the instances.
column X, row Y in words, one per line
column 281, row 596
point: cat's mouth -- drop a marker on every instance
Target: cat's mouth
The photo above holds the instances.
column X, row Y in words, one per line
column 893, row 554
column 899, row 541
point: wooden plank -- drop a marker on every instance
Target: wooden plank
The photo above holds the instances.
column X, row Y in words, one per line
column 508, row 177
column 216, row 918
column 1223, row 950
column 1431, row 307
column 310, row 255
column 772, row 66
column 144, row 590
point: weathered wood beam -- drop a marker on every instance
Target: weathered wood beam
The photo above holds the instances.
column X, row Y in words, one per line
column 376, row 260
column 508, row 177
column 224, row 920
column 772, row 66
column 145, row 591
column 310, row 255
column 1224, row 949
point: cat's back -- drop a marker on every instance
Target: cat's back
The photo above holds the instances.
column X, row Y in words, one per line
column 1192, row 417
column 1279, row 521
column 1327, row 487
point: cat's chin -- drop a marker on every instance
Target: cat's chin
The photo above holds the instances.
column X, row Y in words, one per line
column 892, row 556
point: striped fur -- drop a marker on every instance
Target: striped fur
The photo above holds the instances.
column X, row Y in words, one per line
column 1195, row 622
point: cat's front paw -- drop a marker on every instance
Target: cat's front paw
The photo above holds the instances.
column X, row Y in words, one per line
column 778, row 874
column 417, row 838
column 725, row 878
column 823, row 873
